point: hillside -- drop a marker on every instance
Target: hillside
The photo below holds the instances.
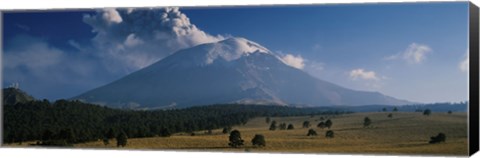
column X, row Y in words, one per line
column 87, row 122
column 15, row 95
column 234, row 70
column 404, row 134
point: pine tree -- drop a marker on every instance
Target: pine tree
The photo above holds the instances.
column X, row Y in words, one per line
column 258, row 140
column 311, row 132
column 329, row 134
column 235, row 139
column 110, row 134
column 427, row 112
column 273, row 126
column 366, row 122
column 122, row 139
column 328, row 123
column 290, row 127
column 306, row 124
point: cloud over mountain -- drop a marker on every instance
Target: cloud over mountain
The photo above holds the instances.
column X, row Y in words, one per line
column 235, row 70
column 131, row 39
column 125, row 40
column 363, row 74
column 294, row 61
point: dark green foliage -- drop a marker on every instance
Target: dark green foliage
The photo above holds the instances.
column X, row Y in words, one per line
column 438, row 107
column 47, row 135
column 273, row 125
column 110, row 134
column 384, row 109
column 258, row 140
column 441, row 137
column 329, row 134
column 13, row 96
column 267, row 119
column 395, row 109
column 226, row 130
column 122, row 139
column 311, row 132
column 19, row 137
column 306, row 124
column 66, row 135
column 366, row 122
column 165, row 132
column 427, row 112
column 328, row 123
column 390, row 115
column 44, row 121
column 321, row 118
column 235, row 139
column 106, row 141
column 321, row 125
column 290, row 126
column 283, row 126
column 9, row 138
column 449, row 112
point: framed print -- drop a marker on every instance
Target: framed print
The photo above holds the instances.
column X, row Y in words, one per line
column 372, row 78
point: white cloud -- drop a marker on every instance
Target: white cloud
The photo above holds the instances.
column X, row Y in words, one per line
column 126, row 40
column 37, row 66
column 415, row 53
column 294, row 61
column 111, row 15
column 34, row 55
column 130, row 39
column 75, row 44
column 464, row 63
column 363, row 74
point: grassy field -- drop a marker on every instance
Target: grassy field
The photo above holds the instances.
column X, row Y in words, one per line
column 404, row 133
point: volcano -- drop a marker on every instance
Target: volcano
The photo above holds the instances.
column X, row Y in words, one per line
column 233, row 70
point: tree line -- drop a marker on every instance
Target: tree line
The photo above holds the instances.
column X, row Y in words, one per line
column 65, row 122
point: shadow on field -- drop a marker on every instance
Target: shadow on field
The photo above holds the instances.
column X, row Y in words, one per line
column 417, row 144
column 217, row 148
column 351, row 129
column 211, row 147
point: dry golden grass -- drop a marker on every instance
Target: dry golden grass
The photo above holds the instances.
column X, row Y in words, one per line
column 405, row 133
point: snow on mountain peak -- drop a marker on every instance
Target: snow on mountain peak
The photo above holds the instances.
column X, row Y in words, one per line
column 233, row 48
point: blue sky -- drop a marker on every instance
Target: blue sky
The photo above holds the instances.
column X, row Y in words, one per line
column 410, row 51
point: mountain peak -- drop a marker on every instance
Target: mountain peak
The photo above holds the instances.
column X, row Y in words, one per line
column 234, row 70
column 223, row 51
column 244, row 45
column 232, row 49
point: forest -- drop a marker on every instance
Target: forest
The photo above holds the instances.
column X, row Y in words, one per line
column 64, row 122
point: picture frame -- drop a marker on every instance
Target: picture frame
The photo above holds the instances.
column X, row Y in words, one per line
column 136, row 39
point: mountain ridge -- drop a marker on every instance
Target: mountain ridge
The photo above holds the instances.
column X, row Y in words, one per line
column 13, row 96
column 234, row 70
